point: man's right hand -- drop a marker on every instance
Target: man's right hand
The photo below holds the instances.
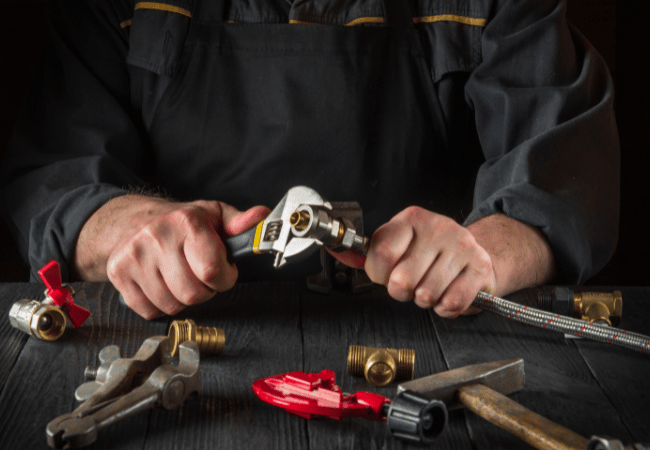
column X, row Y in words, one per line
column 162, row 256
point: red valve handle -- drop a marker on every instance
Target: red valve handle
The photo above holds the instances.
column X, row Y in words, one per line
column 51, row 276
column 311, row 395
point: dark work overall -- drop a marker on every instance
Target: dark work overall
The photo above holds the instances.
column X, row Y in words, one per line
column 258, row 108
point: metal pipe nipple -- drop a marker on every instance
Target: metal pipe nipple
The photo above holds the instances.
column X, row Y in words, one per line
column 211, row 340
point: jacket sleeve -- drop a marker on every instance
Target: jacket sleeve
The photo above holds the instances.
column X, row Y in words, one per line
column 543, row 102
column 76, row 142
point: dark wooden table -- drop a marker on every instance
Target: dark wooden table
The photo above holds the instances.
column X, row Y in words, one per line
column 272, row 328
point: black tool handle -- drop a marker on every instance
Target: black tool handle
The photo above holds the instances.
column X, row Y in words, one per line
column 240, row 246
column 411, row 417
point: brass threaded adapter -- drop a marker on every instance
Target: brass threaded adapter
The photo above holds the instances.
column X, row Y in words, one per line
column 380, row 366
column 599, row 307
column 211, row 340
column 43, row 320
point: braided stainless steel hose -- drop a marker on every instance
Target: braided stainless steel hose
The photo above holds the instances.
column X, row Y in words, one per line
column 563, row 324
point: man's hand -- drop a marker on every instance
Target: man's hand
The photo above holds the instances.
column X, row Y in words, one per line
column 162, row 256
column 436, row 262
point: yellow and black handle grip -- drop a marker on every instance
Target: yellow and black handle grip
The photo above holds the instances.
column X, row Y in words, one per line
column 244, row 244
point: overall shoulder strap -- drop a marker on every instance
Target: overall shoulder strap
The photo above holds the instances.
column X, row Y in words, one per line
column 157, row 35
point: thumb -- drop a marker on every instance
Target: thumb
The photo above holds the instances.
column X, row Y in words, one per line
column 234, row 221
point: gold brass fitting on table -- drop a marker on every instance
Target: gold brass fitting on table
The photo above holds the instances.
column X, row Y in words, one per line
column 211, row 340
column 42, row 320
column 599, row 307
column 380, row 366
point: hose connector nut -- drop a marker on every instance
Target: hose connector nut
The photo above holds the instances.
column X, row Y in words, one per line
column 211, row 340
column 43, row 320
column 380, row 366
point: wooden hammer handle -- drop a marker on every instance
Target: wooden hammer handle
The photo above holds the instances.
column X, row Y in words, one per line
column 509, row 415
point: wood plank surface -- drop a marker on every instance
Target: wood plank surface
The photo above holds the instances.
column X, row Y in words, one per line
column 42, row 382
column 331, row 323
column 272, row 328
column 621, row 373
column 262, row 326
column 560, row 385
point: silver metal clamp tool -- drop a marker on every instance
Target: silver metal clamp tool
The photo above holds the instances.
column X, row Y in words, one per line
column 297, row 226
column 124, row 387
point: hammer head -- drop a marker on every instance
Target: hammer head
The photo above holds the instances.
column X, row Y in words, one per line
column 504, row 377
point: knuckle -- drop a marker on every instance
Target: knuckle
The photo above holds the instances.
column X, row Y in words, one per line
column 385, row 252
column 193, row 296
column 425, row 298
column 209, row 272
column 400, row 287
column 466, row 240
column 412, row 214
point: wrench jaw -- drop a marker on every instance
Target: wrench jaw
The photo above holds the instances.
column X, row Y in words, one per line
column 277, row 236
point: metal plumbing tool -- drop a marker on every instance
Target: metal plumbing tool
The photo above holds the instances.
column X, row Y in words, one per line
column 482, row 388
column 123, row 387
column 380, row 366
column 409, row 416
column 296, row 227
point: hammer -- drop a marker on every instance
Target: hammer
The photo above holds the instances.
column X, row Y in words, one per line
column 482, row 388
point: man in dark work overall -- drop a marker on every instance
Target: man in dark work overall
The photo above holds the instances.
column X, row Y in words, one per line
column 474, row 134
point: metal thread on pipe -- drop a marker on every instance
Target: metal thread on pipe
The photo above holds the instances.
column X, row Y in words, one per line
column 380, row 366
column 210, row 340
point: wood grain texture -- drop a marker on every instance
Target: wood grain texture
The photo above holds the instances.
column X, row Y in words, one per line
column 623, row 374
column 262, row 328
column 12, row 340
column 559, row 384
column 42, row 382
column 273, row 328
column 330, row 324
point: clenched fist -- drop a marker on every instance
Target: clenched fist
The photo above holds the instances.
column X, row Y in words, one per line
column 163, row 256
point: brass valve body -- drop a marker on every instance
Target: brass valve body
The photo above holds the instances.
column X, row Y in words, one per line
column 380, row 366
column 599, row 307
column 211, row 340
column 42, row 320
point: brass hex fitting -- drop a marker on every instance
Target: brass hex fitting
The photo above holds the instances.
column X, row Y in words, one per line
column 380, row 366
column 42, row 320
column 211, row 340
column 599, row 307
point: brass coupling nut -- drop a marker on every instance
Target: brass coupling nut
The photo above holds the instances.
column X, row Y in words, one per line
column 211, row 340
column 42, row 320
column 599, row 307
column 380, row 366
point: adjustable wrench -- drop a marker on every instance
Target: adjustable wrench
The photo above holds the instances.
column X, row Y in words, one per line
column 119, row 392
column 297, row 226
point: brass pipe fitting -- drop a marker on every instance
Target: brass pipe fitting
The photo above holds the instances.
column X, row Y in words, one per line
column 599, row 307
column 42, row 320
column 211, row 340
column 380, row 366
column 605, row 308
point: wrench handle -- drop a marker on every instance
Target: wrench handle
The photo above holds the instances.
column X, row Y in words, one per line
column 244, row 244
column 509, row 415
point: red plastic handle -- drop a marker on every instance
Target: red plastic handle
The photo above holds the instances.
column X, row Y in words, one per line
column 311, row 395
column 51, row 276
